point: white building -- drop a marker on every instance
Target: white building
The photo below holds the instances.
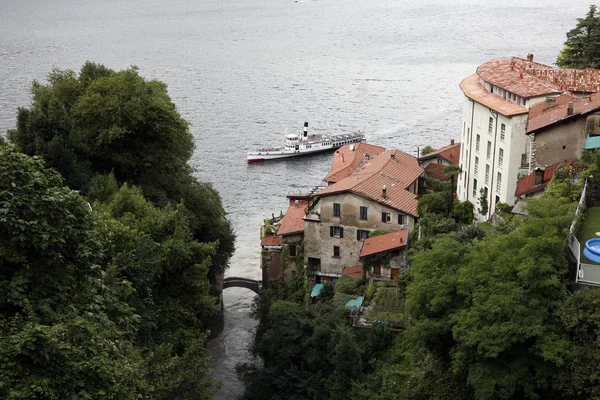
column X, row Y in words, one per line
column 496, row 150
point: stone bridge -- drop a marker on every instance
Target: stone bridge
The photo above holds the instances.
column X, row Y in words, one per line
column 234, row 281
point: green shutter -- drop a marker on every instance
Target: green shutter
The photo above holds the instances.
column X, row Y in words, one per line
column 358, row 234
column 331, row 231
column 341, row 232
column 383, row 217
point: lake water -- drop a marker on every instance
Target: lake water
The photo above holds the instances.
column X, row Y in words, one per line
column 245, row 72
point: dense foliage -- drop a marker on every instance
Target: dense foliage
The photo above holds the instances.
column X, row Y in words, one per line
column 101, row 122
column 582, row 48
column 106, row 303
column 108, row 295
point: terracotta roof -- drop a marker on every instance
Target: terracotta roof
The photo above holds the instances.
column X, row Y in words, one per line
column 518, row 76
column 527, row 184
column 573, row 80
column 558, row 113
column 271, row 241
column 473, row 89
column 394, row 169
column 292, row 221
column 435, row 171
column 354, row 272
column 389, row 241
column 345, row 161
column 451, row 153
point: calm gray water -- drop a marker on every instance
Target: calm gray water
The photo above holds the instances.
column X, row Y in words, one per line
column 245, row 71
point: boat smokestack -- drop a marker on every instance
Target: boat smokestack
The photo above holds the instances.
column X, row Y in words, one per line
column 305, row 130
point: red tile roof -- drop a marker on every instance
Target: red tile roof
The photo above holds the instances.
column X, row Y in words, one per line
column 573, row 80
column 394, row 169
column 345, row 161
column 354, row 272
column 389, row 241
column 292, row 222
column 271, row 241
column 435, row 171
column 451, row 153
column 518, row 76
column 527, row 184
column 558, row 113
column 473, row 89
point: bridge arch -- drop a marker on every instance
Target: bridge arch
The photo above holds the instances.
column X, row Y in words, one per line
column 234, row 281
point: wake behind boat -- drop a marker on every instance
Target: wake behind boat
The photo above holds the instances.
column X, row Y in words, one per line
column 301, row 143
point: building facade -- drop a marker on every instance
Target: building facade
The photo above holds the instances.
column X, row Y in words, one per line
column 496, row 149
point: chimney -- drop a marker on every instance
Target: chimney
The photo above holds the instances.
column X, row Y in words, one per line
column 569, row 109
column 530, row 57
column 306, row 129
column 550, row 102
column 451, row 142
column 539, row 176
column 384, row 192
column 296, row 203
column 393, row 156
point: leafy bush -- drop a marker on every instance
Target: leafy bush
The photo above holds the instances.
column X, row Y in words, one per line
column 463, row 212
column 345, row 284
column 433, row 203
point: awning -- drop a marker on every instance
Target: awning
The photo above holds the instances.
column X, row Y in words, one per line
column 355, row 303
column 316, row 290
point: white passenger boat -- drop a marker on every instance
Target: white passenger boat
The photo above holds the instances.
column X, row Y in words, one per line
column 301, row 143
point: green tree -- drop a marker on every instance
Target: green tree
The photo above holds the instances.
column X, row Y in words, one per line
column 463, row 212
column 426, row 150
column 483, row 201
column 433, row 203
column 64, row 332
column 582, row 47
column 105, row 122
column 451, row 171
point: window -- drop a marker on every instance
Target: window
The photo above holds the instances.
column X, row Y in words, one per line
column 386, row 217
column 468, row 135
column 439, row 161
column 336, row 251
column 401, row 219
column 487, row 174
column 474, row 188
column 292, row 250
column 476, row 165
column 377, row 270
column 489, row 150
column 478, row 118
column 363, row 213
column 336, row 231
column 499, row 182
column 491, row 125
column 336, row 209
column 500, row 157
column 502, row 132
column 477, row 143
column 361, row 235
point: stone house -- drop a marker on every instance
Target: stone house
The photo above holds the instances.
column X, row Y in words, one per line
column 393, row 247
column 380, row 194
column 560, row 126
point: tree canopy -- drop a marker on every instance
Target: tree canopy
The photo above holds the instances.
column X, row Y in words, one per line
column 102, row 301
column 582, row 47
column 100, row 122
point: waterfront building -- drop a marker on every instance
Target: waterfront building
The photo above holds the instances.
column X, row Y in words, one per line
column 380, row 193
column 393, row 245
column 498, row 98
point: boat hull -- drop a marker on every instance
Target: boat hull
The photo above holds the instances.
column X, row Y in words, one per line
column 259, row 156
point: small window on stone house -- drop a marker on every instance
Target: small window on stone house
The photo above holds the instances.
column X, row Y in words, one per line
column 336, row 209
column 293, row 250
column 401, row 219
column 336, row 231
column 386, row 217
column 377, row 270
column 336, row 251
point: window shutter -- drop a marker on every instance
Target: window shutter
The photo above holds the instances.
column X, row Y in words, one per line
column 383, row 219
column 358, row 234
column 331, row 231
column 341, row 232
